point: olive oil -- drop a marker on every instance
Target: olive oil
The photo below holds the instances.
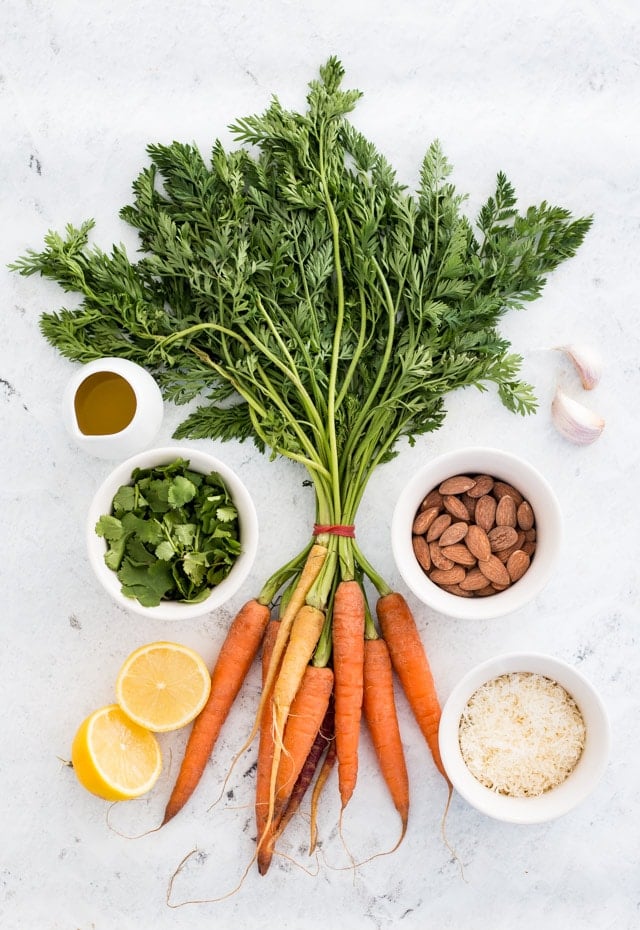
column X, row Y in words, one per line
column 105, row 403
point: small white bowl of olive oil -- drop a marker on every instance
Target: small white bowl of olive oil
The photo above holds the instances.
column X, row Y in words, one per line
column 112, row 408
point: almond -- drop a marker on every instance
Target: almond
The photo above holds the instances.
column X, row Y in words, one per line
column 424, row 519
column 474, row 580
column 485, row 515
column 517, row 564
column 421, row 552
column 529, row 547
column 438, row 559
column 456, row 485
column 483, row 485
column 433, row 499
column 448, row 576
column 455, row 507
column 483, row 592
column 530, row 535
column 494, row 571
column 503, row 554
column 456, row 589
column 501, row 488
column 459, row 554
column 525, row 516
column 438, row 526
column 470, row 504
column 506, row 511
column 501, row 537
column 454, row 533
column 477, row 542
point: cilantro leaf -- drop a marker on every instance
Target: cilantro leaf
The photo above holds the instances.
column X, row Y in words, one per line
column 180, row 491
column 109, row 527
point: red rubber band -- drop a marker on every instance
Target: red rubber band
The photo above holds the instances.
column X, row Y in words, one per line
column 335, row 529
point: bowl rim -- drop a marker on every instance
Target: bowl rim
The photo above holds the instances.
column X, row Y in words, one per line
column 199, row 461
column 503, row 465
column 579, row 784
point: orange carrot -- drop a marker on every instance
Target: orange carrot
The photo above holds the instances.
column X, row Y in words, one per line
column 379, row 708
column 308, row 575
column 236, row 656
column 307, row 713
column 410, row 663
column 348, row 620
column 265, row 745
column 305, row 632
column 323, row 742
column 310, row 570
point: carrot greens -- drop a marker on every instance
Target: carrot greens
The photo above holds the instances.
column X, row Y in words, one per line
column 309, row 300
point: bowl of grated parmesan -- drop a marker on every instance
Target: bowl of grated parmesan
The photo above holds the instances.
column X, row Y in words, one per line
column 524, row 737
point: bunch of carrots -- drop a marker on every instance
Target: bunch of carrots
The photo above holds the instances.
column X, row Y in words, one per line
column 316, row 306
column 310, row 710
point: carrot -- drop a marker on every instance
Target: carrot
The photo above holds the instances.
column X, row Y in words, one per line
column 323, row 742
column 348, row 619
column 306, row 715
column 265, row 745
column 321, row 780
column 305, row 632
column 410, row 663
column 379, row 708
column 310, row 570
column 234, row 660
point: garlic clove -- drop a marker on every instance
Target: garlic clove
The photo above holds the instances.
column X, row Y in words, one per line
column 575, row 421
column 587, row 363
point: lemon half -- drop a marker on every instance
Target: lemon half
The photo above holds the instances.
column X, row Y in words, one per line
column 163, row 686
column 113, row 757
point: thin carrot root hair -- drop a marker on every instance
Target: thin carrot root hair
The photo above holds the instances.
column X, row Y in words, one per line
column 445, row 838
column 214, row 900
column 233, row 891
column 128, row 836
column 379, row 855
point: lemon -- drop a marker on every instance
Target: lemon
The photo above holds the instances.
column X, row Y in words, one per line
column 113, row 757
column 162, row 686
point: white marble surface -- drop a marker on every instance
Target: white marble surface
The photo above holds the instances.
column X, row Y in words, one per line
column 547, row 92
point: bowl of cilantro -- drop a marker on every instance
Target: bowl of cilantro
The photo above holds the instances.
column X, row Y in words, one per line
column 172, row 533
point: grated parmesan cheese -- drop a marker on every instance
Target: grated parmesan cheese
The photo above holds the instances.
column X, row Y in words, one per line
column 521, row 734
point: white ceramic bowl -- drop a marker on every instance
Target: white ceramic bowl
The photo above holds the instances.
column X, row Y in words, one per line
column 557, row 801
column 506, row 467
column 198, row 461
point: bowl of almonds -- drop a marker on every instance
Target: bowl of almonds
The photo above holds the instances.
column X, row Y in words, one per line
column 476, row 533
